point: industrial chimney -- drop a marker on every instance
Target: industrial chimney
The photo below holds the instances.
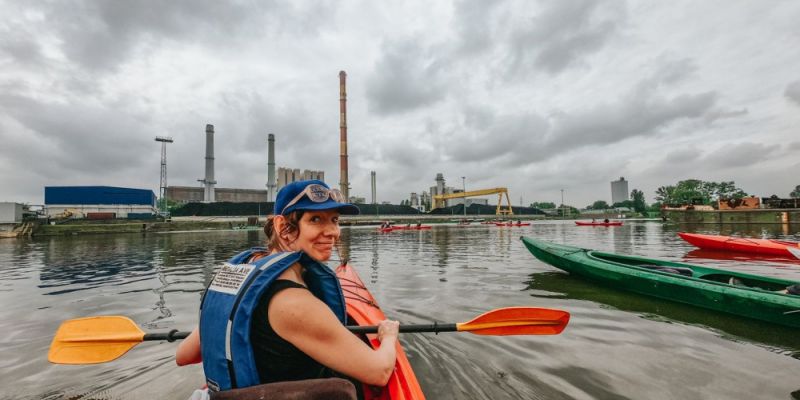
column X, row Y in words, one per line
column 344, row 184
column 374, row 191
column 271, row 168
column 208, row 181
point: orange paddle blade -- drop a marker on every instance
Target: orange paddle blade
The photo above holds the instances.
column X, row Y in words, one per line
column 93, row 340
column 517, row 321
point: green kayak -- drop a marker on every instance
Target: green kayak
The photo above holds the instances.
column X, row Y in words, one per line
column 746, row 295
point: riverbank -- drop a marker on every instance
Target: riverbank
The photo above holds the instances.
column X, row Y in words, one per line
column 86, row 227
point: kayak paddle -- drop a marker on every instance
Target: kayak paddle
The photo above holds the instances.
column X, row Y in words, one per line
column 100, row 339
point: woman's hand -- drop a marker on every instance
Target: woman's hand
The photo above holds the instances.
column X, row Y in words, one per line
column 388, row 330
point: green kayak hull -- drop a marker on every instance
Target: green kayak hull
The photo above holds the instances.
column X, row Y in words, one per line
column 746, row 295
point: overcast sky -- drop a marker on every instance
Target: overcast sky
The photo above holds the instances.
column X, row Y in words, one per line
column 533, row 96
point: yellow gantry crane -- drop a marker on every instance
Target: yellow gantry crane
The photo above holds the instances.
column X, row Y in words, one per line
column 439, row 199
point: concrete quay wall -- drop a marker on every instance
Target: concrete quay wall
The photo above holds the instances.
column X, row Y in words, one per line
column 763, row 216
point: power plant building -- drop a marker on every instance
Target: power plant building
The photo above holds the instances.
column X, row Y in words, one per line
column 190, row 194
column 619, row 190
column 289, row 175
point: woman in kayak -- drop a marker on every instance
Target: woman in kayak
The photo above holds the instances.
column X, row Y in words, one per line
column 296, row 326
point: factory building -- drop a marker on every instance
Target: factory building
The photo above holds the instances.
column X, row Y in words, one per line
column 619, row 190
column 98, row 202
column 190, row 194
column 11, row 213
column 289, row 175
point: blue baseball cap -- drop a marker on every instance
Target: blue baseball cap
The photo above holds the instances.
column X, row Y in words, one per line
column 289, row 192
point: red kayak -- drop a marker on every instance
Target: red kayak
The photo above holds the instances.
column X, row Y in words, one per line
column 745, row 245
column 411, row 228
column 589, row 223
column 512, row 224
column 363, row 310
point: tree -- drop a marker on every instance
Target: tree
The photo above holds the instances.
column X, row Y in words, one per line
column 598, row 205
column 637, row 197
column 695, row 191
column 543, row 205
column 795, row 193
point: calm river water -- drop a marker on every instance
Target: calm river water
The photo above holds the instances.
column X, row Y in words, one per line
column 617, row 345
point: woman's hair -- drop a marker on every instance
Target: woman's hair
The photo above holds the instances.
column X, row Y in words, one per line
column 292, row 227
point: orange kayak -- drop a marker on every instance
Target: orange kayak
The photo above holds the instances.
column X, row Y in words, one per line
column 363, row 310
column 745, row 245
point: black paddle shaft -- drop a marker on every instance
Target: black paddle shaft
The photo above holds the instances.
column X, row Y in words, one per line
column 170, row 336
column 435, row 328
column 174, row 334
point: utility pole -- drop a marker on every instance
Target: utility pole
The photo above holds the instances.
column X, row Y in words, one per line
column 562, row 203
column 163, row 184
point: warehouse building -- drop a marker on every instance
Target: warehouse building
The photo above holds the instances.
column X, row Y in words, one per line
column 98, row 202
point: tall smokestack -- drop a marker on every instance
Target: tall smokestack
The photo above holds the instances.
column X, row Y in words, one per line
column 374, row 192
column 208, row 181
column 344, row 183
column 271, row 168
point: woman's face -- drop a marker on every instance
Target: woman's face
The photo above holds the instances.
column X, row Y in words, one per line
column 319, row 231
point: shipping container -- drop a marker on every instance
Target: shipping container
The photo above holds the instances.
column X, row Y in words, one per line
column 79, row 195
column 101, row 215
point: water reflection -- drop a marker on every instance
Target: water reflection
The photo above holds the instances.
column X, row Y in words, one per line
column 776, row 338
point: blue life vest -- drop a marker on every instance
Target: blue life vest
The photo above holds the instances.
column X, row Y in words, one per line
column 228, row 304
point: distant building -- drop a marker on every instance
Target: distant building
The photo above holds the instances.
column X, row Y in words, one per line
column 357, row 200
column 425, row 199
column 414, row 200
column 11, row 213
column 619, row 191
column 190, row 194
column 83, row 201
column 289, row 175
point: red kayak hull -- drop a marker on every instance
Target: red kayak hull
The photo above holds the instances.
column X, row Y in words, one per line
column 739, row 244
column 363, row 310
column 411, row 228
column 521, row 224
column 586, row 223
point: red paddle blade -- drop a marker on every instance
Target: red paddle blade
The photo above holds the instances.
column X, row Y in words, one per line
column 518, row 321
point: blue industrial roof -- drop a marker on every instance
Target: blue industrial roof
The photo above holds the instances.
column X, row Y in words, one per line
column 98, row 195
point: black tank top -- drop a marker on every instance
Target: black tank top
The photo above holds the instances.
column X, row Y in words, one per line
column 278, row 360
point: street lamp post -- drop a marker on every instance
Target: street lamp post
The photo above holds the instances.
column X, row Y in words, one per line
column 464, row 188
column 562, row 203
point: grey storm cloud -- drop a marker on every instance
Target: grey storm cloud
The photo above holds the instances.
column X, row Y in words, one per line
column 79, row 138
column 641, row 113
column 101, row 35
column 404, row 78
column 485, row 136
column 563, row 33
column 743, row 155
column 793, row 92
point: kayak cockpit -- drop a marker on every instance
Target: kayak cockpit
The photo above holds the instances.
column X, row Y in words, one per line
column 646, row 264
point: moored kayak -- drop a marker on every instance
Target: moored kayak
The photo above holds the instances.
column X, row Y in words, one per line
column 746, row 295
column 363, row 310
column 589, row 223
column 745, row 245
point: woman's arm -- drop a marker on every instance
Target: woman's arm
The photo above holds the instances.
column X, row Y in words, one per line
column 189, row 350
column 306, row 322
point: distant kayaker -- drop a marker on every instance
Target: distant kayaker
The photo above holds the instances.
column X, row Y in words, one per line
column 605, row 220
column 294, row 302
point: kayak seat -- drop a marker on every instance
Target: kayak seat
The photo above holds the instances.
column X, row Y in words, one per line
column 312, row 389
column 672, row 270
